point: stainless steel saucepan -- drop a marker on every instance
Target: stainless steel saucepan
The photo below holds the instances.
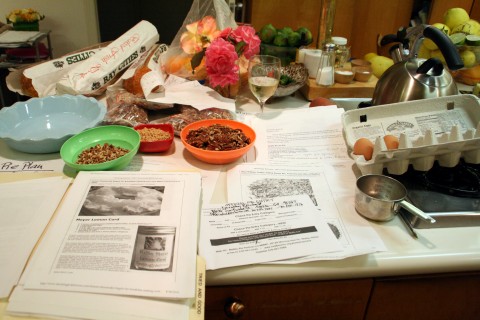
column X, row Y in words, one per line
column 379, row 197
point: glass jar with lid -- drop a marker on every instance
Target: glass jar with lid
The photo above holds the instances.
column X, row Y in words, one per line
column 342, row 51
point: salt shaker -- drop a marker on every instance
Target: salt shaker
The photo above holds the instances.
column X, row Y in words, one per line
column 325, row 75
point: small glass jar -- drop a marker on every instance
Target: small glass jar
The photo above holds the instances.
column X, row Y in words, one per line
column 342, row 51
column 154, row 248
column 326, row 67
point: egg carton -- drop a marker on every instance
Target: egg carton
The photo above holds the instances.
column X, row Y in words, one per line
column 444, row 129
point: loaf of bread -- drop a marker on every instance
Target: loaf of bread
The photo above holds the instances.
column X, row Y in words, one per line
column 39, row 79
column 93, row 76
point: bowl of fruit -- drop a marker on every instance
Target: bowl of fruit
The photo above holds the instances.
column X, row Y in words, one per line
column 283, row 43
column 464, row 32
column 292, row 78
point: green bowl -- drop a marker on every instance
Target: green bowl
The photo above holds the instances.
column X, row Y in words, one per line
column 119, row 136
column 286, row 54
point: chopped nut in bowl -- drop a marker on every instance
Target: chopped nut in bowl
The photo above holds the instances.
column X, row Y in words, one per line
column 101, row 148
column 217, row 141
column 292, row 78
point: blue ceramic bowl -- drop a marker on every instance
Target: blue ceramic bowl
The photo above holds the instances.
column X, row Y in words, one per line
column 42, row 125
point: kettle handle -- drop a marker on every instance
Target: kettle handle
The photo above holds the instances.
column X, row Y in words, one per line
column 448, row 49
column 434, row 64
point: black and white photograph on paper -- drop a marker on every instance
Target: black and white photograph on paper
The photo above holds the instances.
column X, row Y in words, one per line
column 272, row 188
column 123, row 201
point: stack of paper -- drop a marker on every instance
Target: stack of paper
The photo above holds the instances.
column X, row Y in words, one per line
column 122, row 245
column 294, row 202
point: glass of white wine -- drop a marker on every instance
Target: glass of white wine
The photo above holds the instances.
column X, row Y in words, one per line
column 263, row 76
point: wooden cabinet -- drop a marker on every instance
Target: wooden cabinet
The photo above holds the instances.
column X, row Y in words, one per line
column 346, row 299
column 440, row 296
column 426, row 297
column 360, row 21
column 438, row 8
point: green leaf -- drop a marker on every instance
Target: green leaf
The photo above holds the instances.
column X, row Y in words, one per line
column 239, row 47
column 197, row 59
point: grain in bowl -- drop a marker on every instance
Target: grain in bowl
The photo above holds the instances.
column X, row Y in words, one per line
column 155, row 137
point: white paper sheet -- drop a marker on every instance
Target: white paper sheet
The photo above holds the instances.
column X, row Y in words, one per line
column 16, row 161
column 193, row 93
column 330, row 188
column 75, row 305
column 263, row 230
column 13, row 36
column 96, row 243
column 308, row 135
column 26, row 209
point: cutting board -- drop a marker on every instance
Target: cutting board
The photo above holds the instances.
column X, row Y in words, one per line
column 355, row 89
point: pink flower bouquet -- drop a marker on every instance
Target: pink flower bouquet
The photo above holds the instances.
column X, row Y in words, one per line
column 214, row 55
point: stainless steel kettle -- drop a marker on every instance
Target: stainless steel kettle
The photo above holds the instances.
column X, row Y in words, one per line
column 411, row 78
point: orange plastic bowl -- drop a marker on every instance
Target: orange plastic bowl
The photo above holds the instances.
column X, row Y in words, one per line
column 159, row 145
column 218, row 157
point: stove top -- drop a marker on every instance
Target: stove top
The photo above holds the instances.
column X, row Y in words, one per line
column 450, row 195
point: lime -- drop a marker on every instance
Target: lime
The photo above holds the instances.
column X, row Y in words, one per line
column 280, row 40
column 267, row 33
column 293, row 39
column 472, row 40
column 286, row 30
column 455, row 16
column 306, row 36
column 458, row 38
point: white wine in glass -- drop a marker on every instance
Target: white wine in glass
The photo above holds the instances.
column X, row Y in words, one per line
column 263, row 77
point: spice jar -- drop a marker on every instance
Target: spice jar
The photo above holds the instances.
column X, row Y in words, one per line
column 154, row 248
column 325, row 74
column 342, row 51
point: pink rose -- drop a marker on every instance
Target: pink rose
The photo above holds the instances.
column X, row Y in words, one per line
column 247, row 35
column 221, row 63
column 225, row 33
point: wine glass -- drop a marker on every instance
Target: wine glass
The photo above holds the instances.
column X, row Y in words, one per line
column 263, row 76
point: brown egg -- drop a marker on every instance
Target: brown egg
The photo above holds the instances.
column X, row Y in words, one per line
column 320, row 102
column 363, row 147
column 391, row 142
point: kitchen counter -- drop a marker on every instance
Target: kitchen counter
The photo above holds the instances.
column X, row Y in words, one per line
column 436, row 251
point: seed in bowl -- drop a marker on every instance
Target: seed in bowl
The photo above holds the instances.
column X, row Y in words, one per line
column 153, row 134
column 217, row 137
column 100, row 154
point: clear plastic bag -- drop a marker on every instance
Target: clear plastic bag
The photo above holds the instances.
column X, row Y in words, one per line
column 204, row 13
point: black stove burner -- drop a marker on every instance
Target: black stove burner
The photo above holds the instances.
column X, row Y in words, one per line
column 444, row 189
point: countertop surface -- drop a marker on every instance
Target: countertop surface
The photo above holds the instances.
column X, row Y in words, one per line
column 437, row 250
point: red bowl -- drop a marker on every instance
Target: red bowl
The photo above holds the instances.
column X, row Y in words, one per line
column 159, row 145
column 218, row 157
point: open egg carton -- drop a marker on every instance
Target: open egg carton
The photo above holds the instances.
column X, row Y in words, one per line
column 443, row 129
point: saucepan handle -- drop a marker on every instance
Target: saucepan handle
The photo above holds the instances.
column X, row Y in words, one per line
column 416, row 211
